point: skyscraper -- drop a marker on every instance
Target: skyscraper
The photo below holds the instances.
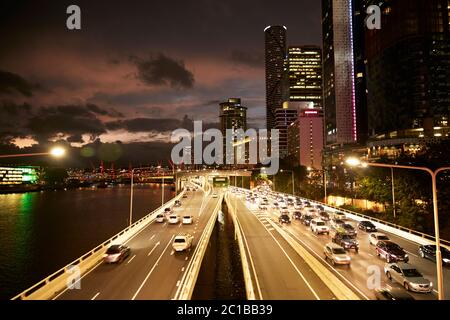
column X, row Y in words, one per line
column 305, row 74
column 232, row 116
column 339, row 71
column 306, row 138
column 283, row 118
column 275, row 55
column 408, row 65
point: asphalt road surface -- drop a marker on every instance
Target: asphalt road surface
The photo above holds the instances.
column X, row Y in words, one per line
column 153, row 270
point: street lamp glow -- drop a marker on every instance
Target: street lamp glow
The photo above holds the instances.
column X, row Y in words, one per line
column 353, row 162
column 57, row 152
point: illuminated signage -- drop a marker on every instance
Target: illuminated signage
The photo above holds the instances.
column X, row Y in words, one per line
column 18, row 175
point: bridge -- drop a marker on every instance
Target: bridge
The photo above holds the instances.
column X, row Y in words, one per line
column 278, row 261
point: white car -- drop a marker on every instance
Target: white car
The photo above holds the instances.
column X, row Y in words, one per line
column 188, row 219
column 339, row 216
column 377, row 236
column 174, row 219
column 336, row 254
column 214, row 195
column 160, row 218
column 318, row 226
column 408, row 276
column 182, row 241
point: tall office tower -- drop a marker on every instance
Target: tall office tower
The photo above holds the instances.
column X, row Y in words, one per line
column 305, row 74
column 275, row 55
column 408, row 64
column 339, row 71
column 283, row 119
column 306, row 138
column 232, row 116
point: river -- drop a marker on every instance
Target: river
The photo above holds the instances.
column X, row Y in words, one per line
column 40, row 232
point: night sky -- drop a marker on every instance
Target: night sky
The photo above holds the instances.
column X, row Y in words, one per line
column 136, row 70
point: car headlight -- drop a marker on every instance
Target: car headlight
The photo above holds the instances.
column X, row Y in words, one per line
column 446, row 260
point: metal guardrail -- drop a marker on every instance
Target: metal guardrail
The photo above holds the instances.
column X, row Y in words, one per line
column 250, row 291
column 57, row 281
column 389, row 224
column 189, row 278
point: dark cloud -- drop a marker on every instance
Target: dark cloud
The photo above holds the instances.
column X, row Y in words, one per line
column 97, row 110
column 11, row 83
column 144, row 124
column 251, row 59
column 163, row 70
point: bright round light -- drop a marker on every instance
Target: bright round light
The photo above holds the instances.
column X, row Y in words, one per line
column 353, row 162
column 57, row 152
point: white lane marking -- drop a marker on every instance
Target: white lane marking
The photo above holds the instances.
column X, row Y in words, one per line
column 153, row 268
column 186, row 258
column 84, row 275
column 96, row 295
column 131, row 259
column 182, row 269
column 172, row 252
column 270, row 229
column 178, row 283
column 412, row 254
column 157, row 244
column 294, row 265
column 151, row 238
column 180, row 225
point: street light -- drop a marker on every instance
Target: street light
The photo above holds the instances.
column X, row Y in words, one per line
column 440, row 278
column 292, row 177
column 56, row 152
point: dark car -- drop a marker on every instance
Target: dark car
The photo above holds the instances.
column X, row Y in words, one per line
column 345, row 241
column 429, row 252
column 324, row 216
column 391, row 252
column 116, row 253
column 177, row 203
column 367, row 226
column 392, row 294
column 348, row 228
column 306, row 219
column 297, row 215
column 284, row 218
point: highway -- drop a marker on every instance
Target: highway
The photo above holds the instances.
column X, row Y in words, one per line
column 153, row 270
column 359, row 274
column 278, row 272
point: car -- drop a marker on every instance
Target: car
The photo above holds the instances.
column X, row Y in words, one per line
column 185, row 196
column 167, row 210
column 429, row 252
column 177, row 203
column 174, row 219
column 116, row 253
column 391, row 252
column 336, row 223
column 262, row 206
column 367, row 226
column 324, row 216
column 319, row 207
column 388, row 293
column 182, row 242
column 345, row 241
column 306, row 219
column 377, row 236
column 319, row 227
column 188, row 189
column 160, row 218
column 284, row 218
column 339, row 215
column 408, row 276
column 348, row 229
column 297, row 215
column 214, row 195
column 336, row 254
column 188, row 219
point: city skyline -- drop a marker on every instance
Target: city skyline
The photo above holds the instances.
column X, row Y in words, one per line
column 97, row 83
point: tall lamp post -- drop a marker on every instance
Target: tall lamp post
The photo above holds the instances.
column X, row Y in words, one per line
column 439, row 271
column 292, row 178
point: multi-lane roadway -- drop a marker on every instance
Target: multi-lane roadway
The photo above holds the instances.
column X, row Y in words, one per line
column 153, row 270
column 361, row 277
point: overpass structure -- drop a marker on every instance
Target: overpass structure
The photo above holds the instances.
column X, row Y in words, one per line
column 278, row 261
